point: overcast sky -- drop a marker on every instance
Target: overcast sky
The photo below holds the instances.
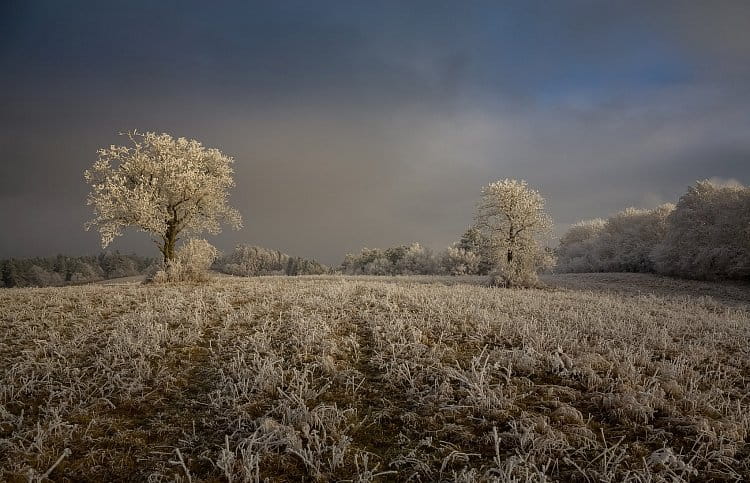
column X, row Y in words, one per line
column 372, row 123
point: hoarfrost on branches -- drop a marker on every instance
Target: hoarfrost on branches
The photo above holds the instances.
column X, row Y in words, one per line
column 512, row 217
column 160, row 185
column 705, row 236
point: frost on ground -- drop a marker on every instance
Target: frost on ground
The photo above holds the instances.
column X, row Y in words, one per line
column 335, row 378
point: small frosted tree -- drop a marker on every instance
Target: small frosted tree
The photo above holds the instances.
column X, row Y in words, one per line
column 162, row 186
column 512, row 217
column 475, row 242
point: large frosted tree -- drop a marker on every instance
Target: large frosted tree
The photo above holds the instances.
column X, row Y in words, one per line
column 512, row 217
column 708, row 234
column 162, row 186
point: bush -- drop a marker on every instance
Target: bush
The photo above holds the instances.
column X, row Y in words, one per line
column 523, row 272
column 191, row 263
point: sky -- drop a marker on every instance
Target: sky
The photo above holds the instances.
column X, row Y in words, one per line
column 371, row 123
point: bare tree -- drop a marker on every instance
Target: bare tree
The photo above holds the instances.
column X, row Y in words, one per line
column 162, row 186
column 512, row 217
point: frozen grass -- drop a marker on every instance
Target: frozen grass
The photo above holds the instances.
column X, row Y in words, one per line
column 371, row 379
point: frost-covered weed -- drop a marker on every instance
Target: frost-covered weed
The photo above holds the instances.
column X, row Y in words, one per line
column 357, row 379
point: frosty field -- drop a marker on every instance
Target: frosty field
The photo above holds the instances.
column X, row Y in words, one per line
column 594, row 378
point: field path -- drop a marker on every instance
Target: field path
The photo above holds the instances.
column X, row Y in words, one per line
column 375, row 399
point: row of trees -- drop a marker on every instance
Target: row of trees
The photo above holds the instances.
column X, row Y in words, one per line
column 705, row 236
column 411, row 259
column 415, row 259
column 191, row 261
column 170, row 187
column 63, row 270
column 507, row 242
column 248, row 261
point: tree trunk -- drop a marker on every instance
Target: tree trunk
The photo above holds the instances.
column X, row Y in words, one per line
column 170, row 238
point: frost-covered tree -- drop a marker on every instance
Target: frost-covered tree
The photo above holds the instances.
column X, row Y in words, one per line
column 379, row 266
column 629, row 237
column 250, row 261
column 302, row 266
column 708, row 234
column 473, row 241
column 9, row 274
column 512, row 217
column 458, row 261
column 162, row 186
column 624, row 242
column 62, row 270
column 415, row 260
column 411, row 259
column 370, row 261
column 578, row 250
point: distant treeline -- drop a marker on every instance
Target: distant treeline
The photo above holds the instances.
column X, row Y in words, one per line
column 467, row 257
column 705, row 236
column 470, row 256
column 244, row 260
column 249, row 261
column 64, row 270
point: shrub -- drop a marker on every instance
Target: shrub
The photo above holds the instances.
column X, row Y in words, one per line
column 191, row 263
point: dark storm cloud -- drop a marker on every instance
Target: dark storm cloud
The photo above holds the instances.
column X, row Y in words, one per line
column 372, row 123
